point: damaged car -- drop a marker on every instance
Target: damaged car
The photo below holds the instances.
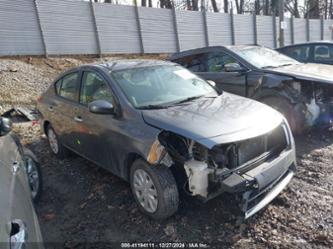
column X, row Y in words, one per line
column 303, row 93
column 20, row 186
column 162, row 128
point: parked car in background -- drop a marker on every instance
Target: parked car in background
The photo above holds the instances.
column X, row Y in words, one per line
column 162, row 128
column 311, row 52
column 20, row 184
column 303, row 93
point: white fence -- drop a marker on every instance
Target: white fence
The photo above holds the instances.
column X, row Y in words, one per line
column 58, row 27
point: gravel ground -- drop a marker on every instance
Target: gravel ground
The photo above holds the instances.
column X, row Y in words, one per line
column 83, row 204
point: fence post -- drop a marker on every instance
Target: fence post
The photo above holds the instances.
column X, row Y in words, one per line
column 139, row 26
column 307, row 29
column 204, row 15
column 41, row 29
column 175, row 26
column 274, row 30
column 292, row 30
column 233, row 40
column 98, row 41
column 255, row 33
column 321, row 28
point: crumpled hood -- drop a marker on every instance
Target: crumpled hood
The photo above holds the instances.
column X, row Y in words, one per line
column 210, row 121
column 309, row 71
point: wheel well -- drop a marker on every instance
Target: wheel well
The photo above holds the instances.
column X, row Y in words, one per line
column 131, row 157
column 45, row 126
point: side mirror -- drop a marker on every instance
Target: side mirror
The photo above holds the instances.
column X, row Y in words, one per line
column 234, row 67
column 101, row 107
column 212, row 83
column 5, row 126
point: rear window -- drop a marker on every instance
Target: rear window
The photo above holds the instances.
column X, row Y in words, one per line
column 69, row 87
column 323, row 53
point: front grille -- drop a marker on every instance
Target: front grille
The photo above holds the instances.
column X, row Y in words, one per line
column 274, row 142
column 251, row 151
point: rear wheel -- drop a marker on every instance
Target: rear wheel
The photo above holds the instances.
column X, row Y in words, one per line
column 287, row 110
column 154, row 189
column 56, row 147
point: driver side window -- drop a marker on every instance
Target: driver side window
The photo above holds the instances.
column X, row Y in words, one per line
column 94, row 88
column 216, row 61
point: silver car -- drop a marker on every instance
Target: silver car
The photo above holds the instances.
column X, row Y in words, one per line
column 20, row 185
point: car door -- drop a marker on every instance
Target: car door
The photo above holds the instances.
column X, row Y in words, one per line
column 16, row 206
column 61, row 107
column 215, row 70
column 97, row 133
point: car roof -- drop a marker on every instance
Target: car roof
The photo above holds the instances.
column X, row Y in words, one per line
column 307, row 43
column 115, row 65
column 206, row 49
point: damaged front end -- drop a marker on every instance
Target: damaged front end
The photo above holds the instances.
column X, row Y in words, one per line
column 258, row 168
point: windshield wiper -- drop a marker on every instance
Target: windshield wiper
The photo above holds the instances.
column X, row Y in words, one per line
column 152, row 107
column 189, row 99
column 282, row 65
column 287, row 64
column 266, row 67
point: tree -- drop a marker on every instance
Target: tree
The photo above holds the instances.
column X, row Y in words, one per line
column 214, row 5
column 195, row 5
column 226, row 6
column 292, row 7
column 240, row 6
column 166, row 4
column 312, row 9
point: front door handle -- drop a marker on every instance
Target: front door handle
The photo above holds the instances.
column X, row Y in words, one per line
column 78, row 119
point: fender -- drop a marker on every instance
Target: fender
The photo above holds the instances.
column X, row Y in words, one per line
column 276, row 85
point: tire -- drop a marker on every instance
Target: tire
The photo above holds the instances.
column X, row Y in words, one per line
column 55, row 145
column 164, row 185
column 287, row 110
column 34, row 173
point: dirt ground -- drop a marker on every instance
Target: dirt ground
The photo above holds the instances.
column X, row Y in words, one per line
column 83, row 206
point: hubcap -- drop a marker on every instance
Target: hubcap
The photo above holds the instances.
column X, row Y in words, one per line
column 145, row 190
column 53, row 141
column 33, row 177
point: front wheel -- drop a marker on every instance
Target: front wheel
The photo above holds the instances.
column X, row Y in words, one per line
column 34, row 174
column 154, row 189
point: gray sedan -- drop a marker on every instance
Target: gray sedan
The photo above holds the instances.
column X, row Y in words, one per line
column 20, row 184
column 162, row 128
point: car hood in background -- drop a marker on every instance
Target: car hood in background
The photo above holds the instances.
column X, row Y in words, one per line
column 309, row 71
column 210, row 121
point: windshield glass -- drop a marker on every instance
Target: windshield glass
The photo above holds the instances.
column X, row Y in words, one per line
column 262, row 57
column 161, row 85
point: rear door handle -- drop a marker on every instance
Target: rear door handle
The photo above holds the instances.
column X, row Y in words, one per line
column 78, row 119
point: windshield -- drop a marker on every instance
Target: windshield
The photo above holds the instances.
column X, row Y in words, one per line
column 262, row 57
column 161, row 85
